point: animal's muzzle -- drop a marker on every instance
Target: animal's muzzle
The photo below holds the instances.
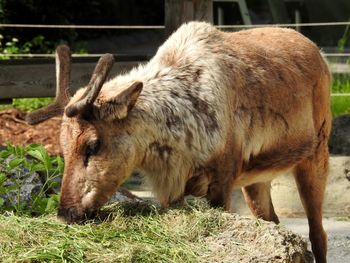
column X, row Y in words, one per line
column 71, row 215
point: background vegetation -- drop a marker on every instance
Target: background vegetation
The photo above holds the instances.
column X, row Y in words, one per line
column 83, row 12
column 18, row 163
column 340, row 104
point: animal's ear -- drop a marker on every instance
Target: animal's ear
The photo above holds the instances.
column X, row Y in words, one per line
column 119, row 105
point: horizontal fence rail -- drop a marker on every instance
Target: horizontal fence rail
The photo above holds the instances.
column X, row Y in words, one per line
column 33, row 80
column 36, row 78
column 340, row 94
column 120, row 57
column 336, row 54
column 319, row 24
column 42, row 55
column 83, row 26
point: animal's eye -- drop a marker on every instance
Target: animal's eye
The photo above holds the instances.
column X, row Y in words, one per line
column 92, row 148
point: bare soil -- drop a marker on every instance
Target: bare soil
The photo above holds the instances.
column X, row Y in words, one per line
column 16, row 131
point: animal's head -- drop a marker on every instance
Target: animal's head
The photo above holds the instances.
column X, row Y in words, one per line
column 96, row 137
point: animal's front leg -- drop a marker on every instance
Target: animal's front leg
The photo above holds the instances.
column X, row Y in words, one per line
column 171, row 191
column 179, row 201
column 223, row 170
column 198, row 184
column 219, row 195
column 164, row 202
column 221, row 186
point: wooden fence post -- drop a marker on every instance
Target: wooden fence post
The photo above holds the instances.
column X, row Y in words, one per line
column 203, row 10
column 178, row 12
column 279, row 11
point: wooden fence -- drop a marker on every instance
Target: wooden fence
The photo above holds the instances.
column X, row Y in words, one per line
column 36, row 77
column 32, row 78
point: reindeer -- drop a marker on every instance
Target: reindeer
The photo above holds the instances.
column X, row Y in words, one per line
column 210, row 112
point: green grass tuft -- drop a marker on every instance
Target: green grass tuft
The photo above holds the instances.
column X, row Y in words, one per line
column 340, row 105
column 27, row 104
column 130, row 233
column 341, row 83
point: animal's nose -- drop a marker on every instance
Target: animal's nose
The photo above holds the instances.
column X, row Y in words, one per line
column 68, row 214
column 71, row 214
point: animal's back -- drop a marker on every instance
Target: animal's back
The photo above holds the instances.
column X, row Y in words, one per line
column 271, row 66
column 269, row 85
column 280, row 61
column 283, row 103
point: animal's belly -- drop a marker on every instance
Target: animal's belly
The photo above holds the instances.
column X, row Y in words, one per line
column 248, row 178
column 274, row 160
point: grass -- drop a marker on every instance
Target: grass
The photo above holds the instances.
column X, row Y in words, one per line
column 340, row 105
column 27, row 104
column 141, row 232
column 131, row 233
column 341, row 83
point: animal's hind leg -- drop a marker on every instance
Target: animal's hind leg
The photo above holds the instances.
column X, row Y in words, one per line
column 311, row 177
column 258, row 198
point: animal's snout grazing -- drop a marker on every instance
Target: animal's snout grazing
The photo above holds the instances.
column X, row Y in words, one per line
column 72, row 214
column 210, row 111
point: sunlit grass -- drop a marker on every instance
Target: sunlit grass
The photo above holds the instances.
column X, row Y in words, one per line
column 131, row 233
column 341, row 83
column 340, row 105
column 143, row 232
column 28, row 104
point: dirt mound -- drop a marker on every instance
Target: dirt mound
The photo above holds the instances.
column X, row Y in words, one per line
column 249, row 240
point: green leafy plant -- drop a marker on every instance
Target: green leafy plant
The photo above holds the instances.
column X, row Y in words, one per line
column 341, row 83
column 17, row 163
column 13, row 46
column 344, row 39
column 38, row 44
column 27, row 104
column 30, row 104
column 340, row 104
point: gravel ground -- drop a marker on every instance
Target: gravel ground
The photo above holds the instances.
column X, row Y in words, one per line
column 338, row 236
